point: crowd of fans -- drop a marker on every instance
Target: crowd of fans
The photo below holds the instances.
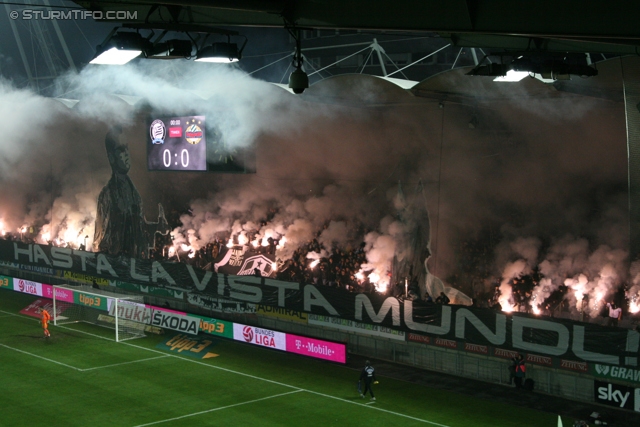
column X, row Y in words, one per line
column 523, row 298
column 341, row 268
column 338, row 269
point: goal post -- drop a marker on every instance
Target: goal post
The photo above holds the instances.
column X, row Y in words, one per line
column 127, row 315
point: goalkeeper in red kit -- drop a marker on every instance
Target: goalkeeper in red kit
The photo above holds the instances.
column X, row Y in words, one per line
column 46, row 317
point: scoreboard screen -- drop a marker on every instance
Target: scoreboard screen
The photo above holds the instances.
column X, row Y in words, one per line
column 187, row 143
column 177, row 144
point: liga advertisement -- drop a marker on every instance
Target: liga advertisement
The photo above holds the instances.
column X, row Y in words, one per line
column 290, row 343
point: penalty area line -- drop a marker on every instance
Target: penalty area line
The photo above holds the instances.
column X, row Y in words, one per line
column 124, row 363
column 73, row 367
column 40, row 357
column 218, row 409
column 8, row 314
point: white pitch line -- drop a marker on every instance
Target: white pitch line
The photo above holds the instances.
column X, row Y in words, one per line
column 73, row 367
column 40, row 357
column 276, row 382
column 219, row 409
column 8, row 313
column 377, row 408
column 300, row 389
column 80, row 369
column 124, row 363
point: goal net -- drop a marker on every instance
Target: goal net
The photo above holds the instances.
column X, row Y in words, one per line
column 126, row 314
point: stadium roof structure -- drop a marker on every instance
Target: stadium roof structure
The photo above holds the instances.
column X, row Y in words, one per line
column 567, row 26
column 402, row 41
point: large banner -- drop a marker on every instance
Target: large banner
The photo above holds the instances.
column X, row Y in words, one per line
column 245, row 261
column 545, row 336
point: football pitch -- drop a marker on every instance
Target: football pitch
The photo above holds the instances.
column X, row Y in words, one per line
column 82, row 377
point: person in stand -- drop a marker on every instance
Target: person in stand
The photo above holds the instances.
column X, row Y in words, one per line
column 45, row 317
column 615, row 314
column 512, row 368
column 443, row 299
column 520, row 371
column 368, row 377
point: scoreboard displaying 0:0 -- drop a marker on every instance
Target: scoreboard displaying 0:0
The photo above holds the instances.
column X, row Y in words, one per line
column 177, row 144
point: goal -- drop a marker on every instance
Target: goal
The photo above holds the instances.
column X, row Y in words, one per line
column 126, row 314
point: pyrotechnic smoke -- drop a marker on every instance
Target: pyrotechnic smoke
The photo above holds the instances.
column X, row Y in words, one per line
column 329, row 170
column 633, row 294
column 591, row 277
column 50, row 168
column 380, row 249
column 526, row 252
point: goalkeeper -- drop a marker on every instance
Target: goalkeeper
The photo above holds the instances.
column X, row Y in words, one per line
column 368, row 377
column 46, row 317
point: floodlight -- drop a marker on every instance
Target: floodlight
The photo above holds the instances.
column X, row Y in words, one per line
column 544, row 66
column 120, row 49
column 222, row 53
column 512, row 76
column 115, row 56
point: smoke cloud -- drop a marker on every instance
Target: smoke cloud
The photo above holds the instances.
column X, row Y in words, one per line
column 536, row 183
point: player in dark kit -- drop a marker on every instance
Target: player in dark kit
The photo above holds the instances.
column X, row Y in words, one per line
column 368, row 377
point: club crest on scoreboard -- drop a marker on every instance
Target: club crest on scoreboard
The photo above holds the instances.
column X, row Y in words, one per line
column 158, row 132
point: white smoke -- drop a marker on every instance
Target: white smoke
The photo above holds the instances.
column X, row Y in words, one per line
column 590, row 277
column 526, row 252
column 329, row 170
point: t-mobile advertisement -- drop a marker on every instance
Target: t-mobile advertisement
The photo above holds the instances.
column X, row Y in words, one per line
column 47, row 291
column 311, row 347
column 64, row 295
column 317, row 348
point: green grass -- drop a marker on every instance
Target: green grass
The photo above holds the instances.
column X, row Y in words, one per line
column 82, row 377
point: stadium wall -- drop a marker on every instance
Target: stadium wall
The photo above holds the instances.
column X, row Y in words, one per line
column 553, row 376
